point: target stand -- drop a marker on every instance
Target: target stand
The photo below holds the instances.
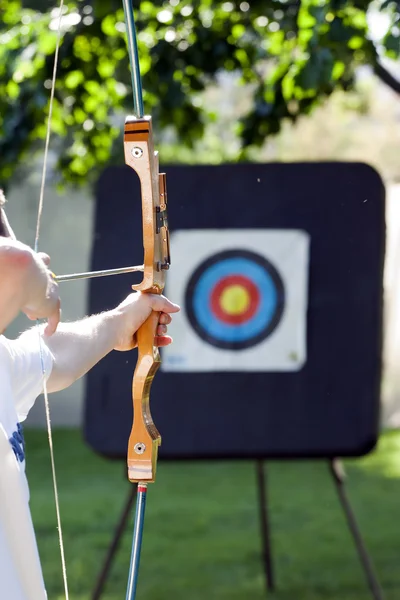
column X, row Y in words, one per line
column 278, row 269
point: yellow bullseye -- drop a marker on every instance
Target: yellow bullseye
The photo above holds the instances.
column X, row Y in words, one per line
column 234, row 300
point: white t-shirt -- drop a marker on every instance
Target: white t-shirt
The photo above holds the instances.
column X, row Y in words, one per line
column 21, row 382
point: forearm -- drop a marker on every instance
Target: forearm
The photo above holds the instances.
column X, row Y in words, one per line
column 77, row 347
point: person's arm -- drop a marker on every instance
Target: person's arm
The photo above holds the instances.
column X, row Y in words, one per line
column 27, row 285
column 77, row 347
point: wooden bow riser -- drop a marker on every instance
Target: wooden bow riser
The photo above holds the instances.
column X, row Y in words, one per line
column 144, row 438
column 141, row 157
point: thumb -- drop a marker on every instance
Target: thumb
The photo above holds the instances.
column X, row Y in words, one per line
column 162, row 304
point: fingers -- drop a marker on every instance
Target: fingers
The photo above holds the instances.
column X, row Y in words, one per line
column 44, row 257
column 53, row 321
column 54, row 317
column 165, row 319
column 162, row 304
column 162, row 329
column 162, row 340
column 48, row 307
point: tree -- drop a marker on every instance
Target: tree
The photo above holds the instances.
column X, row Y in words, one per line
column 291, row 55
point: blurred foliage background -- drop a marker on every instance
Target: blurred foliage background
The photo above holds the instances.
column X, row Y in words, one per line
column 221, row 79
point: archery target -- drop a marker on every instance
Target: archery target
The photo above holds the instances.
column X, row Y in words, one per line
column 243, row 295
column 234, row 299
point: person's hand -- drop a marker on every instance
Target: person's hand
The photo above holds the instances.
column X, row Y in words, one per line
column 134, row 311
column 47, row 306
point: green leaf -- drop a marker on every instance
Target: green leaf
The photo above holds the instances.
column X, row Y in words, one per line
column 238, row 31
column 338, row 70
column 79, row 115
column 108, row 26
column 288, row 86
column 73, row 79
column 147, row 8
column 47, row 42
column 356, row 42
column 12, row 90
column 242, row 56
column 106, row 68
column 305, row 20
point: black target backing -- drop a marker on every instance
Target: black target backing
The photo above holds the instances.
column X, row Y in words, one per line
column 328, row 408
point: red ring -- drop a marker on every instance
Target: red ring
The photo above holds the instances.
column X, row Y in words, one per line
column 250, row 311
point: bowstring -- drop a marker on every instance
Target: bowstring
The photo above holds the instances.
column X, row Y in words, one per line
column 36, row 247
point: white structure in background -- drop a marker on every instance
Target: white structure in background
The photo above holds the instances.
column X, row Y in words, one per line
column 65, row 234
column 391, row 352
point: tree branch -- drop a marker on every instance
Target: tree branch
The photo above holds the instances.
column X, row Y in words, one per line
column 387, row 77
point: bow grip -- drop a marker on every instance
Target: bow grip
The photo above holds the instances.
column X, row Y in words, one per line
column 144, row 438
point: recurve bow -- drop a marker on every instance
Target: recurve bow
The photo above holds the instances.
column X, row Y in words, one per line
column 140, row 155
column 142, row 158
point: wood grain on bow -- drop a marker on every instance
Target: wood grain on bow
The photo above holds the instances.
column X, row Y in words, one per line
column 141, row 157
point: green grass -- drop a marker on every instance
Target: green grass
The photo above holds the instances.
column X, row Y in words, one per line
column 202, row 537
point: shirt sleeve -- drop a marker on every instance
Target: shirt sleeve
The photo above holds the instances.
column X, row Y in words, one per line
column 28, row 360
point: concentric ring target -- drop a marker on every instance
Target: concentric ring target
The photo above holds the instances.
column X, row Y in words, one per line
column 235, row 299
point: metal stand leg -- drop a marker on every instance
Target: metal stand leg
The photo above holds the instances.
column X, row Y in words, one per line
column 113, row 547
column 338, row 476
column 265, row 528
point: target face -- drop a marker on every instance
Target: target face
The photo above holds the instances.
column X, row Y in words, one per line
column 235, row 299
column 243, row 298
